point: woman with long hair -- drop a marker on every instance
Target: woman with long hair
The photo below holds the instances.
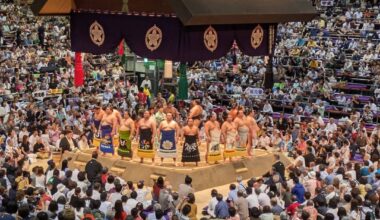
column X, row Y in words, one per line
column 120, row 214
column 355, row 211
column 190, row 201
column 135, row 213
column 64, row 165
column 25, row 148
column 40, row 178
column 158, row 185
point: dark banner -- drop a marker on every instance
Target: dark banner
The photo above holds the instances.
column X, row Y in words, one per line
column 159, row 37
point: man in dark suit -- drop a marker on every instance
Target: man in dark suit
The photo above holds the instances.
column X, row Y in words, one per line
column 278, row 166
column 67, row 142
column 93, row 168
column 282, row 124
column 64, row 101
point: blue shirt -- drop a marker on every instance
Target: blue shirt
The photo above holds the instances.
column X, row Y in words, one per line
column 371, row 178
column 329, row 179
column 364, row 171
column 232, row 195
column 299, row 191
column 221, row 210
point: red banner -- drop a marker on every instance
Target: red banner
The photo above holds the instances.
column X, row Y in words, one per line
column 78, row 74
column 121, row 48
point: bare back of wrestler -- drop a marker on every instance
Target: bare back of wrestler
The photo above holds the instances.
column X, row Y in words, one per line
column 118, row 117
column 169, row 108
column 97, row 118
column 196, row 113
column 254, row 128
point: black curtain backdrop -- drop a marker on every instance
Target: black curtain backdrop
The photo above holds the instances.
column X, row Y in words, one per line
column 178, row 42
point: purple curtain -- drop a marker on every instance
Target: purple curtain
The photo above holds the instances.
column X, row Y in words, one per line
column 159, row 37
column 243, row 34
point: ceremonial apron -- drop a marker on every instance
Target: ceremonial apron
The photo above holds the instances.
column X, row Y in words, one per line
column 97, row 137
column 190, row 152
column 167, row 145
column 214, row 153
column 145, row 148
column 97, row 124
column 241, row 149
column 106, row 145
column 230, row 146
column 125, row 144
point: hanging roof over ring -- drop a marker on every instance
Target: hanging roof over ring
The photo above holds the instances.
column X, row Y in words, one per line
column 192, row 12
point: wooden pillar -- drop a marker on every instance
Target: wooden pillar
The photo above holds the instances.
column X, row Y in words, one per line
column 268, row 76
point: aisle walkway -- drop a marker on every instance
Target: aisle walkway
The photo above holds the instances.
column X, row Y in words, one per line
column 203, row 196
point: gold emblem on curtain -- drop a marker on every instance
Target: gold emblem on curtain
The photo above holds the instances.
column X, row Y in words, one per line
column 97, row 34
column 153, row 38
column 210, row 39
column 257, row 36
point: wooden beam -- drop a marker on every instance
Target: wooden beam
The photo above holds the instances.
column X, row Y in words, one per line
column 37, row 5
column 200, row 12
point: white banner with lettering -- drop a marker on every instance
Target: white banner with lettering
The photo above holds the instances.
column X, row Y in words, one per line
column 254, row 92
column 327, row 3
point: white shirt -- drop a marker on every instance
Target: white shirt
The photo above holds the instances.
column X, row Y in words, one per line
column 57, row 195
column 353, row 174
column 211, row 206
column 40, row 181
column 114, row 197
column 134, row 89
column 331, row 127
column 334, row 212
column 32, row 140
column 75, row 175
column 49, row 174
column 213, row 88
column 141, row 194
column 331, row 161
column 341, row 100
column 300, row 158
column 330, row 196
column 82, row 185
column 320, row 121
column 109, row 186
column 95, row 195
column 22, row 134
column 146, row 82
column 2, row 111
column 131, row 203
column 105, row 206
column 264, row 200
column 354, row 215
column 238, row 89
column 267, row 108
column 373, row 107
column 70, row 194
column 253, row 201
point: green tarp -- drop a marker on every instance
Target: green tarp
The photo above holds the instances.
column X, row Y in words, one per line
column 183, row 85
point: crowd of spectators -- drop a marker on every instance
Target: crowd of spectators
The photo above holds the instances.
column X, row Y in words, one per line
column 322, row 111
